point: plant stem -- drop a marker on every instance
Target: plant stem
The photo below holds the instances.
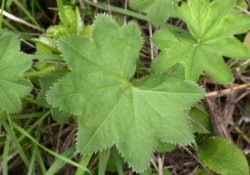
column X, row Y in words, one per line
column 1, row 16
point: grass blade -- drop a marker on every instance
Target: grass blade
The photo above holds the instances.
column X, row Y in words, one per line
column 69, row 161
column 39, row 159
column 58, row 163
column 103, row 161
column 32, row 163
column 84, row 161
column 118, row 161
column 118, row 10
column 5, row 156
column 26, row 12
column 1, row 16
column 12, row 135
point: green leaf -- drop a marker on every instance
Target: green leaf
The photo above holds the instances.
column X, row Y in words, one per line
column 223, row 157
column 12, row 64
column 212, row 27
column 165, row 147
column 60, row 116
column 114, row 108
column 46, row 83
column 202, row 172
column 158, row 11
column 116, row 162
column 200, row 120
column 103, row 161
column 72, row 24
column 150, row 172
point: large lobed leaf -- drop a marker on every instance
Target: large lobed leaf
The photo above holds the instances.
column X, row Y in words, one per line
column 115, row 109
column 212, row 26
column 12, row 64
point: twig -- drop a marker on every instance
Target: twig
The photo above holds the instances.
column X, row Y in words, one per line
column 160, row 165
column 154, row 165
column 242, row 134
column 125, row 7
column 228, row 109
column 151, row 43
column 109, row 8
column 28, row 43
column 227, row 91
column 10, row 157
column 242, row 9
column 59, row 139
column 14, row 18
column 217, row 120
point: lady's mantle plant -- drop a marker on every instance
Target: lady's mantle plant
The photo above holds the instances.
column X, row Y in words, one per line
column 113, row 107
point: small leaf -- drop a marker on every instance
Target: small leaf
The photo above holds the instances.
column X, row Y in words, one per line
column 199, row 121
column 72, row 25
column 158, row 11
column 223, row 157
column 113, row 107
column 60, row 116
column 103, row 161
column 46, row 83
column 165, row 147
column 12, row 64
column 116, row 162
